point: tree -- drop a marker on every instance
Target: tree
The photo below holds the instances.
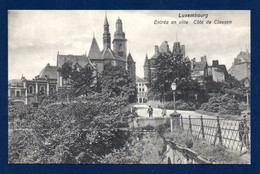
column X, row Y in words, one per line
column 169, row 69
column 80, row 80
column 116, row 82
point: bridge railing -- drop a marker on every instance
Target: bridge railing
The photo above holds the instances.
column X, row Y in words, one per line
column 218, row 131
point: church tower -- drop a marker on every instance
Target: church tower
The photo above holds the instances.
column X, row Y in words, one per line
column 106, row 35
column 119, row 42
column 147, row 70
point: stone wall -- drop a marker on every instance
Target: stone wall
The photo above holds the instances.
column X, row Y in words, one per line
column 176, row 154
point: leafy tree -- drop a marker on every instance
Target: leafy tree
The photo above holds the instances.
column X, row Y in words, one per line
column 116, row 82
column 81, row 80
column 169, row 69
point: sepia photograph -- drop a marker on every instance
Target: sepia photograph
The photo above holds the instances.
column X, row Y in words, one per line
column 129, row 87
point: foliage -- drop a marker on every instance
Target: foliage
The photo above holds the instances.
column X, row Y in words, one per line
column 231, row 86
column 141, row 148
column 81, row 80
column 116, row 82
column 171, row 69
column 75, row 132
column 180, row 105
column 223, row 105
column 168, row 69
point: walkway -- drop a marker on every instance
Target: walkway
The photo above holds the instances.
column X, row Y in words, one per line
column 157, row 112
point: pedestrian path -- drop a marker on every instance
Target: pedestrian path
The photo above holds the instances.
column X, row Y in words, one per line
column 157, row 112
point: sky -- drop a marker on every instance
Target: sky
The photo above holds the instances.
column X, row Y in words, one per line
column 35, row 37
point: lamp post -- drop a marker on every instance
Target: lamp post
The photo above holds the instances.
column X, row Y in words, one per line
column 247, row 95
column 174, row 86
column 175, row 117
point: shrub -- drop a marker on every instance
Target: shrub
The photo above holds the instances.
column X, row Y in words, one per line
column 222, row 105
column 180, row 105
column 161, row 129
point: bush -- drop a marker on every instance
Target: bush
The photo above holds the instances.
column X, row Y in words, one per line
column 161, row 129
column 71, row 133
column 222, row 105
column 180, row 105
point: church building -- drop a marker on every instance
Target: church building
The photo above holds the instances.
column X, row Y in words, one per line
column 50, row 80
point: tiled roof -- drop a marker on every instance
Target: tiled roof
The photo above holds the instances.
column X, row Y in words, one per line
column 110, row 54
column 139, row 79
column 15, row 83
column 82, row 60
column 223, row 68
column 94, row 52
column 164, row 48
column 49, row 72
column 199, row 66
column 155, row 56
column 244, row 55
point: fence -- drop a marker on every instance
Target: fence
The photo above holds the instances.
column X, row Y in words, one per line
column 215, row 130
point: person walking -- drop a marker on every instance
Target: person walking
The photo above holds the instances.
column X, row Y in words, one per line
column 150, row 111
column 243, row 130
column 163, row 111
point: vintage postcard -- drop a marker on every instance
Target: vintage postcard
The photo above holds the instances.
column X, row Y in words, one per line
column 129, row 87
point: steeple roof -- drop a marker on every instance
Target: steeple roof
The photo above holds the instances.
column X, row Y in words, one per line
column 106, row 22
column 130, row 58
column 146, row 62
column 94, row 52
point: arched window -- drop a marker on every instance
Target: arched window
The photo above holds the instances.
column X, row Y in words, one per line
column 42, row 90
column 52, row 90
column 31, row 89
column 144, row 100
column 140, row 100
column 18, row 94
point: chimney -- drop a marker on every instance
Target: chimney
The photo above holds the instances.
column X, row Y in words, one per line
column 203, row 58
column 215, row 63
column 156, row 49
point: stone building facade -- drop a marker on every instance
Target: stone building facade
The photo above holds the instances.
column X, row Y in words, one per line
column 241, row 67
column 142, row 90
column 203, row 73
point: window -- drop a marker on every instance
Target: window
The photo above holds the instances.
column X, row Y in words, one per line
column 120, row 46
column 140, row 100
column 18, row 94
column 42, row 90
column 51, row 90
column 143, row 89
column 120, row 54
column 31, row 89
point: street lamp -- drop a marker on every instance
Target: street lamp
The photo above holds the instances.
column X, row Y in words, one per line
column 174, row 86
column 247, row 85
column 175, row 117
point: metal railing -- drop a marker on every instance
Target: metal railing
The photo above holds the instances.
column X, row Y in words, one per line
column 216, row 131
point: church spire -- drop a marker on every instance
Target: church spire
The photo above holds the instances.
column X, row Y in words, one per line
column 106, row 35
